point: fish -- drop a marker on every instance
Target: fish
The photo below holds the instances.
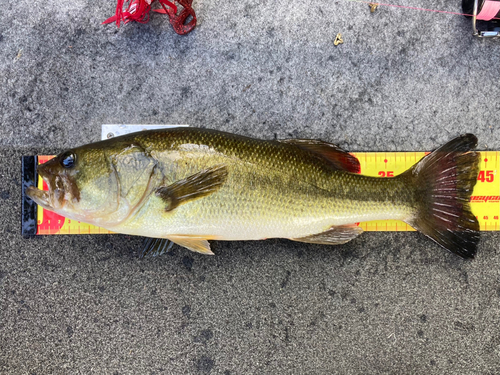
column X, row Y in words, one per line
column 191, row 185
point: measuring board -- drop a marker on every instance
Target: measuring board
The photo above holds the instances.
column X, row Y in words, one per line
column 485, row 200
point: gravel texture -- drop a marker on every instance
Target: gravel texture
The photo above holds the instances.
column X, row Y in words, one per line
column 385, row 303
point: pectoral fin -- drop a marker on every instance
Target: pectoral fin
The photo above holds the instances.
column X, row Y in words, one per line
column 196, row 244
column 193, row 187
column 334, row 236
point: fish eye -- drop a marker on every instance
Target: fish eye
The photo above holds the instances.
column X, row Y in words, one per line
column 68, row 160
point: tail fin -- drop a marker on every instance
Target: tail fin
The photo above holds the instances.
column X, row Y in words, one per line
column 444, row 181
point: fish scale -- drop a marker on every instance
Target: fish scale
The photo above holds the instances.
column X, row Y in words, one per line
column 485, row 202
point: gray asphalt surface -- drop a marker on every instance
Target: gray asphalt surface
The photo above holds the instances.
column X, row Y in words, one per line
column 385, row 303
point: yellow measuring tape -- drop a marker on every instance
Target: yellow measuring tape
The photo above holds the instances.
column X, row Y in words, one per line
column 485, row 200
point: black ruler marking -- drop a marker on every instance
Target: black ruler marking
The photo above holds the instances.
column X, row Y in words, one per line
column 29, row 207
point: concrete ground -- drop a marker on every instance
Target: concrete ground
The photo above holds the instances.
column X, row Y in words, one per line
column 385, row 303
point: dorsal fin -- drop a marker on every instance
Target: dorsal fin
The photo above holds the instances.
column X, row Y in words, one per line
column 339, row 158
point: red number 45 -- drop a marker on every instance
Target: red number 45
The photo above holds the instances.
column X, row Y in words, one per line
column 486, row 176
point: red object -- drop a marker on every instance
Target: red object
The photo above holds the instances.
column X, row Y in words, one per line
column 52, row 222
column 138, row 10
column 489, row 10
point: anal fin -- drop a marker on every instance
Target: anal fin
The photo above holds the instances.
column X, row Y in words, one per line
column 334, row 236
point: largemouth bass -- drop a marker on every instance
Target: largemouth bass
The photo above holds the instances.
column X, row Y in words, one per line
column 190, row 185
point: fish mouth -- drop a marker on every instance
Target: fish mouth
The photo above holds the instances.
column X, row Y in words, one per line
column 40, row 197
column 61, row 188
column 50, row 199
